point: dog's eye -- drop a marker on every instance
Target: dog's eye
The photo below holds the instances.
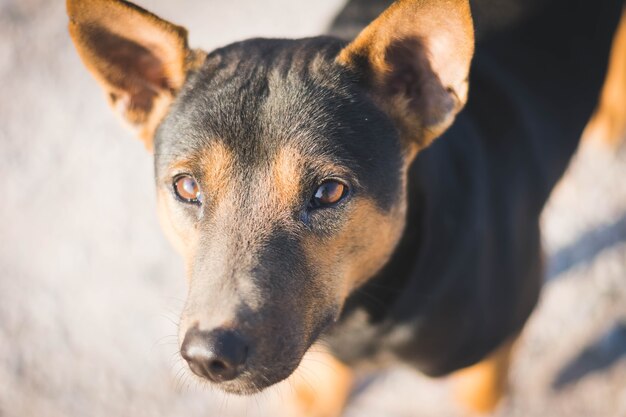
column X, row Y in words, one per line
column 328, row 193
column 186, row 189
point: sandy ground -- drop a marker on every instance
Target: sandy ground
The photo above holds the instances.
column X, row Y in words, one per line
column 90, row 290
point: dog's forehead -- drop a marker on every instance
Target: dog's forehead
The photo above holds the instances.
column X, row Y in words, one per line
column 260, row 93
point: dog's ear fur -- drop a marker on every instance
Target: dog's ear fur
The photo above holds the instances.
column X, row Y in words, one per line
column 415, row 60
column 140, row 60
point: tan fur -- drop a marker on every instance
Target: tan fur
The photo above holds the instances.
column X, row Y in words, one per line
column 217, row 170
column 141, row 100
column 182, row 242
column 285, row 176
column 609, row 122
column 216, row 161
column 445, row 31
column 376, row 230
column 373, row 231
column 321, row 385
column 480, row 387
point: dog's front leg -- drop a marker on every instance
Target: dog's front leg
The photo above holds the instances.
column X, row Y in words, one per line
column 480, row 387
column 320, row 386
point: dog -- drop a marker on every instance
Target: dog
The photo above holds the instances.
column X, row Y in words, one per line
column 300, row 182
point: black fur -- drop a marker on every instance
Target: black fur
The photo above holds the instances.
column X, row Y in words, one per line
column 468, row 271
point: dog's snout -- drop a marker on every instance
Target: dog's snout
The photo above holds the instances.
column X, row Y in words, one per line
column 218, row 355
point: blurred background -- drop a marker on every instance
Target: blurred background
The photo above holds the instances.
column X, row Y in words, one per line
column 90, row 290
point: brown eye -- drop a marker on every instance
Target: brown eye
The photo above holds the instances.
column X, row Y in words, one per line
column 327, row 194
column 187, row 190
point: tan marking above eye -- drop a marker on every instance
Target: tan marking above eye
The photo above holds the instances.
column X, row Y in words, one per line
column 187, row 189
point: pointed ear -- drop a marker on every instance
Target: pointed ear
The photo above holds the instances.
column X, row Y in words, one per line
column 415, row 61
column 140, row 60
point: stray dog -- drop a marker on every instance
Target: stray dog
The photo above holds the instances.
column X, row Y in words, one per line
column 294, row 178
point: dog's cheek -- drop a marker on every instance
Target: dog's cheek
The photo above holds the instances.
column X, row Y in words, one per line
column 358, row 250
column 371, row 236
column 183, row 238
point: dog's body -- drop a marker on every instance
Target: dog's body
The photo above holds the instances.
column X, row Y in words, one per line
column 468, row 271
column 285, row 177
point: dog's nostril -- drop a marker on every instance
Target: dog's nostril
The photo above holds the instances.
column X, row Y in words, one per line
column 218, row 355
column 217, row 366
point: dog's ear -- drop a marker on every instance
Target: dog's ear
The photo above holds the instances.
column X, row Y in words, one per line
column 140, row 60
column 415, row 61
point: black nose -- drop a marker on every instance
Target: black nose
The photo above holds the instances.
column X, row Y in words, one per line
column 218, row 355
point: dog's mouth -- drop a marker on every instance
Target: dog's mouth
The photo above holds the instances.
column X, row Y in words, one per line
column 263, row 367
column 253, row 380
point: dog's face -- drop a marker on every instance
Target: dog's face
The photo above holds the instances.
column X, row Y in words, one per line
column 267, row 183
column 280, row 166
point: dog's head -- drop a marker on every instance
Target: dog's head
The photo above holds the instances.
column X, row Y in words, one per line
column 280, row 164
